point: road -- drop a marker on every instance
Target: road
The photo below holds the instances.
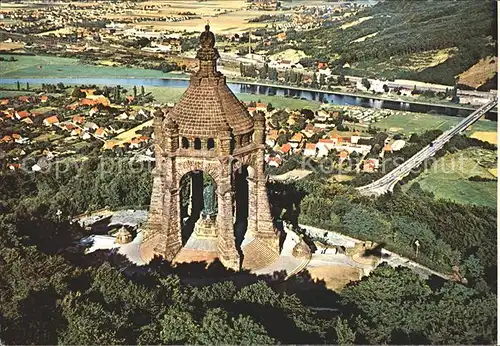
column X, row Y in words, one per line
column 406, row 84
column 391, row 258
column 387, row 182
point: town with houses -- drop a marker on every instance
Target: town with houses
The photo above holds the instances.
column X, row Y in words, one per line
column 261, row 47
column 38, row 128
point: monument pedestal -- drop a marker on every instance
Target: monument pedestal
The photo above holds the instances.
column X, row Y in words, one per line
column 206, row 227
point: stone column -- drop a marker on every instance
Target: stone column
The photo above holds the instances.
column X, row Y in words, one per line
column 224, row 140
column 252, row 207
column 266, row 231
column 154, row 223
column 226, row 246
column 171, row 241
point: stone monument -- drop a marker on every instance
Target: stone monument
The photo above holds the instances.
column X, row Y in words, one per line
column 209, row 130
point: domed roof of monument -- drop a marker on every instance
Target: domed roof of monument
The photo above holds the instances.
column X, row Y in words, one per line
column 208, row 104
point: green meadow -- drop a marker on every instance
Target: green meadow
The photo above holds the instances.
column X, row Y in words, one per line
column 448, row 177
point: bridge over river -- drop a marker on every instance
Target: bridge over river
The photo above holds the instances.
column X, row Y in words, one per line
column 388, row 181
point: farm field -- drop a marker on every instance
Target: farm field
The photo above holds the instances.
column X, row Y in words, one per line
column 480, row 73
column 223, row 15
column 448, row 177
column 419, row 122
column 49, row 66
column 399, row 66
column 130, row 134
column 490, row 137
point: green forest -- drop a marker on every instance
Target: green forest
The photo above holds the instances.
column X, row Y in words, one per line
column 51, row 293
column 406, row 27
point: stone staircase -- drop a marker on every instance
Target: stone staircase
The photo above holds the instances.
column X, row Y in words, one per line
column 297, row 270
column 256, row 255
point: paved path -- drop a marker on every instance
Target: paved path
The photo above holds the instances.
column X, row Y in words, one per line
column 286, row 262
column 391, row 258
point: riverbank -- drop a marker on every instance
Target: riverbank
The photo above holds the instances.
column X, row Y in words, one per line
column 31, row 68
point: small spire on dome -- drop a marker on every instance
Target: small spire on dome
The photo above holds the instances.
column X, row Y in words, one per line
column 159, row 113
column 259, row 117
column 169, row 123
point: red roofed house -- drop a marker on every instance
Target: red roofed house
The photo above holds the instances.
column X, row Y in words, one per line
column 135, row 143
column 370, row 165
column 16, row 136
column 261, row 107
column 109, row 145
column 77, row 119
column 51, row 121
column 76, row 132
column 281, row 36
column 4, row 102
column 271, row 138
column 326, row 143
column 100, row 132
column 6, row 139
column 343, row 155
column 22, row 114
column 286, row 148
column 36, row 113
column 88, row 102
column 13, row 166
column 24, row 99
column 69, row 126
column 44, row 98
column 296, row 139
column 273, row 161
column 72, row 106
column 322, row 65
column 27, row 121
column 310, row 150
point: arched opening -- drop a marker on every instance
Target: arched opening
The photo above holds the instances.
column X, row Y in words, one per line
column 197, row 144
column 210, row 144
column 241, row 202
column 198, row 200
column 184, row 143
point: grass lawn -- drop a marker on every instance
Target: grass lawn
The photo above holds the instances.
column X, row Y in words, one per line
column 420, row 122
column 130, row 134
column 48, row 137
column 49, row 66
column 9, row 93
column 448, row 177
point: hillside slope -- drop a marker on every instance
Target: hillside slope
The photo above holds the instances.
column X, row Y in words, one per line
column 405, row 29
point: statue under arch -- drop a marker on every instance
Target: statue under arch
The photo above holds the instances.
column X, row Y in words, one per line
column 204, row 131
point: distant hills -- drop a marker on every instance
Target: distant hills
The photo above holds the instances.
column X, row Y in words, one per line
column 433, row 41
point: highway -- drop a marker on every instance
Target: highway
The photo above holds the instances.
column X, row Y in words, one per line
column 387, row 182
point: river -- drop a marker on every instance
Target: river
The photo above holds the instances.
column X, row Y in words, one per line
column 243, row 88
